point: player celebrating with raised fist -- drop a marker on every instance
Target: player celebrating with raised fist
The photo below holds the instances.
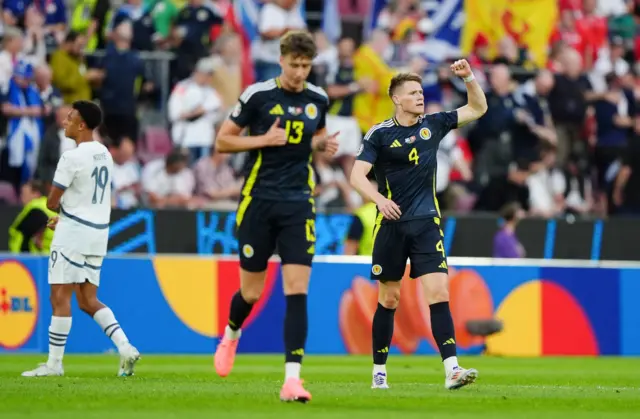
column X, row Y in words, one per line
column 285, row 118
column 402, row 153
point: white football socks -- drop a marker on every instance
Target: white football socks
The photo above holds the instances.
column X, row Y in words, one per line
column 292, row 370
column 110, row 326
column 450, row 364
column 58, row 332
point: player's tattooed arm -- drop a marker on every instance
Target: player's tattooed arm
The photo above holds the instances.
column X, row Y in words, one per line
column 229, row 139
column 325, row 142
column 476, row 100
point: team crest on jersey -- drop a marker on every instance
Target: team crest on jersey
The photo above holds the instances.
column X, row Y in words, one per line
column 236, row 110
column 202, row 15
column 410, row 140
column 425, row 133
column 361, row 149
column 247, row 251
column 311, row 111
column 376, row 269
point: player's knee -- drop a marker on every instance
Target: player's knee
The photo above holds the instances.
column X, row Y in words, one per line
column 438, row 295
column 251, row 294
column 389, row 298
column 60, row 303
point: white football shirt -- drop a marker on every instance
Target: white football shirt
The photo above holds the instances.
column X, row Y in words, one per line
column 85, row 174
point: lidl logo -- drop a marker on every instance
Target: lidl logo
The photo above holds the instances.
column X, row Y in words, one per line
column 18, row 305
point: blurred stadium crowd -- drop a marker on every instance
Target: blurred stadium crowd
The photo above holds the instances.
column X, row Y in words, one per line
column 561, row 134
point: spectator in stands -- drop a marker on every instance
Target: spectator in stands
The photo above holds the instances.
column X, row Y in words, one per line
column 611, row 60
column 12, row 51
column 276, row 18
column 626, row 190
column 126, row 175
column 194, row 109
column 399, row 17
column 567, row 32
column 492, row 144
column 122, row 68
column 593, row 29
column 342, row 88
column 216, row 181
column 51, row 97
column 505, row 242
column 35, row 44
column 578, row 190
column 568, row 104
column 29, row 233
column 192, row 35
column 54, row 143
column 168, row 182
column 332, row 187
column 55, row 20
column 325, row 62
column 372, row 72
column 23, row 108
column 546, row 185
column 164, row 13
column 227, row 77
column 140, row 18
column 70, row 75
column 615, row 113
column 536, row 125
column 90, row 18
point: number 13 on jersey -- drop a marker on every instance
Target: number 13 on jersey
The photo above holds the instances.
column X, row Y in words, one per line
column 295, row 130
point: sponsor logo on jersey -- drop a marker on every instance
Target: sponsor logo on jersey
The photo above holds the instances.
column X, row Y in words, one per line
column 410, row 140
column 425, row 133
column 276, row 110
column 311, row 111
column 18, row 304
column 295, row 110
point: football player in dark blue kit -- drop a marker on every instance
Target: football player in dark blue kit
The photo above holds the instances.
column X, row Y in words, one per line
column 285, row 118
column 402, row 153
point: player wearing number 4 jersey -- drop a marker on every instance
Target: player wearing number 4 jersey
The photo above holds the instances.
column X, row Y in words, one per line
column 285, row 118
column 402, row 152
column 81, row 192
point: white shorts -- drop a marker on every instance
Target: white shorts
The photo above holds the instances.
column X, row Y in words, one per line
column 350, row 136
column 70, row 267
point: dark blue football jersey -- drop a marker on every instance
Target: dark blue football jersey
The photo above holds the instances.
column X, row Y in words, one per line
column 283, row 172
column 404, row 162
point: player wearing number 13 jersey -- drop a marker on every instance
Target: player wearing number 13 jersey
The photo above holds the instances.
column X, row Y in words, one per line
column 402, row 153
column 81, row 192
column 285, row 120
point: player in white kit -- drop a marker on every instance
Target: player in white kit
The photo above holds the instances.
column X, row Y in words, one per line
column 81, row 191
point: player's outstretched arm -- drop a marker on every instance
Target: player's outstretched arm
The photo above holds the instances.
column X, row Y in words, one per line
column 476, row 100
column 359, row 181
column 229, row 139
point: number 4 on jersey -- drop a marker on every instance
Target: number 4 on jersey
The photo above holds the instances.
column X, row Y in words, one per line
column 413, row 156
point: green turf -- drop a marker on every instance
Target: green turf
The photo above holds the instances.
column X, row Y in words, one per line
column 187, row 387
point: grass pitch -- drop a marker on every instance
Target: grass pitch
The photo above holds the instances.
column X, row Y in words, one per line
column 187, row 387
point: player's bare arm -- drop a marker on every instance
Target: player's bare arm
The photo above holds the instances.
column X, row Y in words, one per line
column 55, row 195
column 323, row 141
column 229, row 139
column 476, row 100
column 359, row 181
